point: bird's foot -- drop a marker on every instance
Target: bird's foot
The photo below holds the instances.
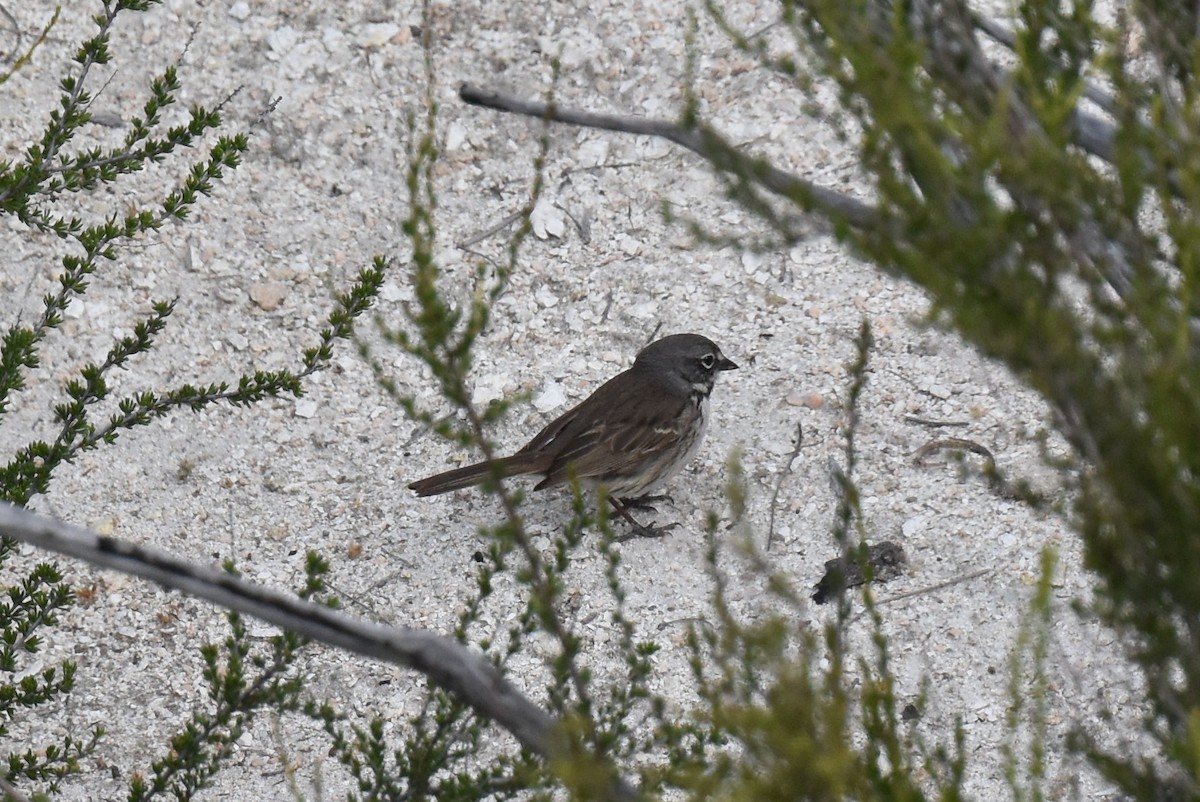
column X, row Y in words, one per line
column 645, row 503
column 637, row 529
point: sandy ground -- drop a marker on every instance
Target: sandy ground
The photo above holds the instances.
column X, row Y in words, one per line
column 321, row 192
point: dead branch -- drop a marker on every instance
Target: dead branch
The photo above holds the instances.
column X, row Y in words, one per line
column 447, row 663
column 702, row 140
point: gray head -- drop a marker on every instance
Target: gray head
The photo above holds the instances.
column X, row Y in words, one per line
column 689, row 362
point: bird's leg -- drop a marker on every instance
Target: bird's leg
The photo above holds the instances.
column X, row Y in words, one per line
column 646, row 502
column 638, row 529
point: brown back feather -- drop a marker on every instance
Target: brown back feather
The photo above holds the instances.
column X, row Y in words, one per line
column 578, row 444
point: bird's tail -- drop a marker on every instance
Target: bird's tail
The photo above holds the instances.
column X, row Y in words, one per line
column 470, row 475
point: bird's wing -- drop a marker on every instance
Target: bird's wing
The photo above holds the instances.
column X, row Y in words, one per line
column 566, row 427
column 617, row 440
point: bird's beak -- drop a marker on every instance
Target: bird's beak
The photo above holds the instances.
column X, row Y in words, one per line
column 726, row 364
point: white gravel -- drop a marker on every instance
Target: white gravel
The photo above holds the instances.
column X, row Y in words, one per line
column 321, row 192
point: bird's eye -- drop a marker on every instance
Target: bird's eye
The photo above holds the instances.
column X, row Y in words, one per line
column 707, row 361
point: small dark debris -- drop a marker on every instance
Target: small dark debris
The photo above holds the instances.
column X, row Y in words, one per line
column 887, row 560
column 910, row 713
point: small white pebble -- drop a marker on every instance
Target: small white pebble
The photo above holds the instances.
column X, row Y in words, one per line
column 103, row 526
column 377, row 34
column 488, row 387
column 547, row 220
column 456, row 135
column 282, row 39
column 305, row 408
column 549, row 398
column 545, row 298
column 268, row 295
column 751, row 262
column 644, row 311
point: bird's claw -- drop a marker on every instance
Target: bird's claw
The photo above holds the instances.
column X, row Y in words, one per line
column 645, row 503
column 637, row 530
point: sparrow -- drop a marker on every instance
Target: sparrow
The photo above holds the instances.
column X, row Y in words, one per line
column 631, row 435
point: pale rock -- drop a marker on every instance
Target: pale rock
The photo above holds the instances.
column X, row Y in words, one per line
column 305, row 408
column 653, row 148
column 751, row 262
column 456, row 135
column 593, row 153
column 643, row 311
column 282, row 39
column 551, row 397
column 229, row 294
column 545, row 298
column 192, row 260
column 144, row 280
column 268, row 295
column 257, row 630
column 377, row 34
column 104, row 526
column 576, row 48
column 489, row 387
column 331, row 38
column 547, row 220
column 392, row 292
